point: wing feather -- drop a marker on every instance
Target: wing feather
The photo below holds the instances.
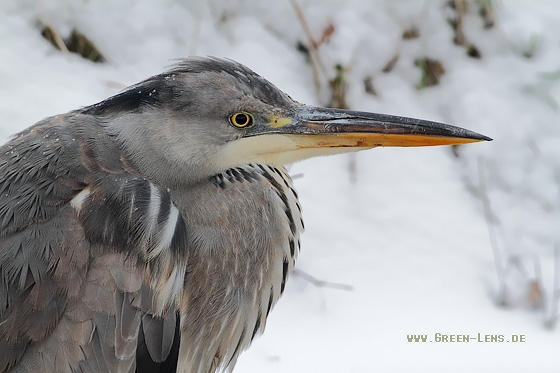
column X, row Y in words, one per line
column 160, row 332
column 77, row 286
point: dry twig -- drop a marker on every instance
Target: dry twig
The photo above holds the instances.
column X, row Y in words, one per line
column 321, row 283
column 491, row 231
column 317, row 65
column 555, row 301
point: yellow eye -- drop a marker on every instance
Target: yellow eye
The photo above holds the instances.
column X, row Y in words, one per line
column 241, row 119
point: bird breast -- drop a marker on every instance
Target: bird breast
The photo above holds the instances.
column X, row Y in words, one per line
column 243, row 228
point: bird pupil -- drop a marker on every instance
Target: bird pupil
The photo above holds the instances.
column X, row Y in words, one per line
column 242, row 119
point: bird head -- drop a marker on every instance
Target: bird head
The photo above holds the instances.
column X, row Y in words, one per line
column 206, row 115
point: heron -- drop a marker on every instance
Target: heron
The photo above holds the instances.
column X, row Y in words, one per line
column 155, row 231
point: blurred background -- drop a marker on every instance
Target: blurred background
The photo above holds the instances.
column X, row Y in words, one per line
column 399, row 242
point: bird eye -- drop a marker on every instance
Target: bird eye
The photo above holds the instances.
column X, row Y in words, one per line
column 241, row 120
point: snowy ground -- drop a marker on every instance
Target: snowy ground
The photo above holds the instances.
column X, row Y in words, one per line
column 409, row 234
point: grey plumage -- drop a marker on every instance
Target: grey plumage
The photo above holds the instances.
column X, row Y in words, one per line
column 103, row 249
column 150, row 232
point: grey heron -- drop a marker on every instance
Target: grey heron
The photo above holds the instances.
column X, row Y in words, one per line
column 155, row 230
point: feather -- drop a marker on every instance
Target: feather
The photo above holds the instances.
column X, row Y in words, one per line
column 127, row 323
column 73, row 244
column 159, row 335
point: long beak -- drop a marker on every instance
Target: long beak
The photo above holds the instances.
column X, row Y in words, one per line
column 316, row 127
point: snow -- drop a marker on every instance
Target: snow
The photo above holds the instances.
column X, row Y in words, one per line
column 409, row 234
